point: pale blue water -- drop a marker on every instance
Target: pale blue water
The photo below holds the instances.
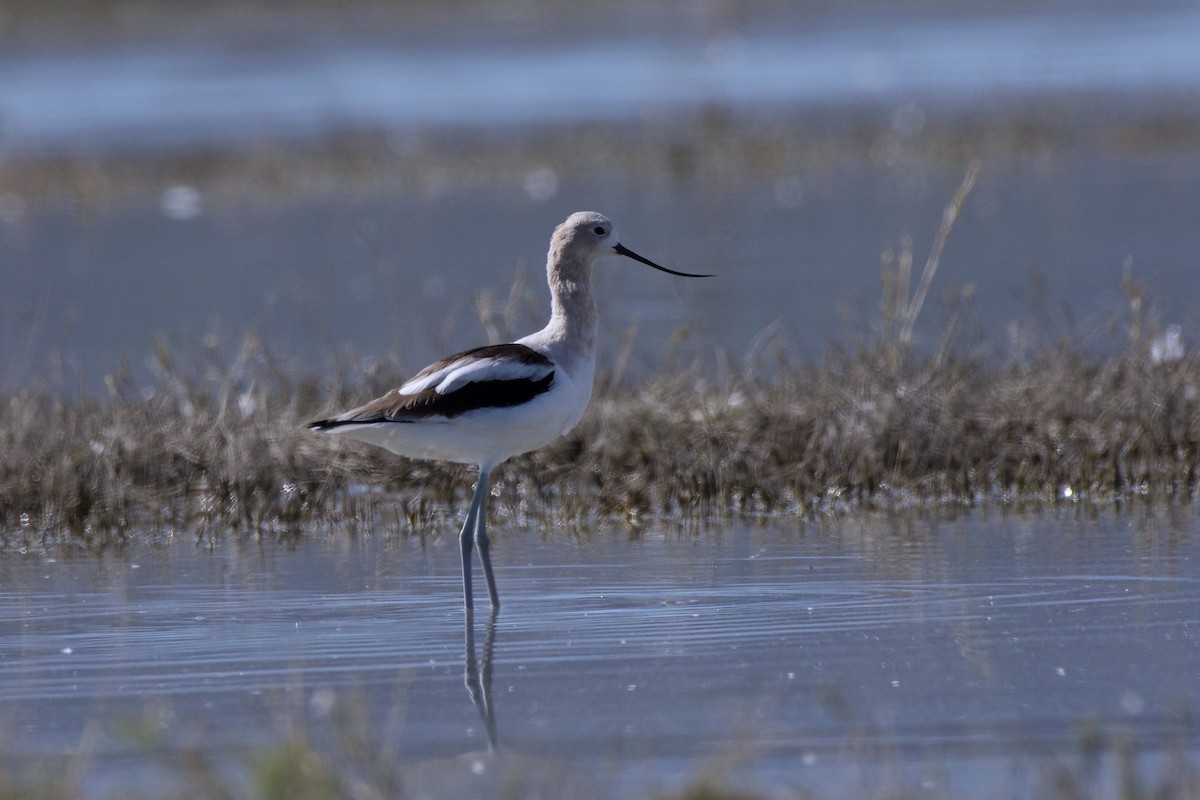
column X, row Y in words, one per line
column 202, row 90
column 393, row 274
column 969, row 652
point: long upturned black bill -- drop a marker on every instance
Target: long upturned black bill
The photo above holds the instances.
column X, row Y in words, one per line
column 625, row 251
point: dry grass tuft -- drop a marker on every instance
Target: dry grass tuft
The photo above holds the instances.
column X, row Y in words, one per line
column 216, row 446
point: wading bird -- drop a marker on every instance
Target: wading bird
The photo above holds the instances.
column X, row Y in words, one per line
column 486, row 405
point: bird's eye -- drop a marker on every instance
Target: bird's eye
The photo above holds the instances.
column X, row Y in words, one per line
column 599, row 230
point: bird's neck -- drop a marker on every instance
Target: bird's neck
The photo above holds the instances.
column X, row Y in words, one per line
column 572, row 327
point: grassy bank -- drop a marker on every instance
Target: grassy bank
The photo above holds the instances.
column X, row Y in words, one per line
column 214, row 445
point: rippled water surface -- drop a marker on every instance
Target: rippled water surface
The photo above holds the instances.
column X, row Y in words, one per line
column 794, row 654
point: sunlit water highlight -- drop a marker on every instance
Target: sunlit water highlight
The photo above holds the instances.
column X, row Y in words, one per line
column 809, row 654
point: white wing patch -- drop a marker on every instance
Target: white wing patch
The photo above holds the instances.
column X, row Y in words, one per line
column 463, row 371
column 421, row 382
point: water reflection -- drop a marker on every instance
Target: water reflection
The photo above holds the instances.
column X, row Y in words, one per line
column 477, row 675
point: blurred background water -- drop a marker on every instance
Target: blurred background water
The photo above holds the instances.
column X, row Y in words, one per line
column 420, row 156
column 190, row 91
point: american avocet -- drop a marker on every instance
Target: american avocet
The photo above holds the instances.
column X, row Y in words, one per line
column 486, row 405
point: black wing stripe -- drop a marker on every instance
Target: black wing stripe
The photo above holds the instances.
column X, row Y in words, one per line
column 501, row 393
column 393, row 407
column 472, row 397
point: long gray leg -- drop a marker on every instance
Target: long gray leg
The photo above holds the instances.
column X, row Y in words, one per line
column 468, row 531
column 481, row 538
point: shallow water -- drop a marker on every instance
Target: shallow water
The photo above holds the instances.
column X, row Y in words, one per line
column 877, row 651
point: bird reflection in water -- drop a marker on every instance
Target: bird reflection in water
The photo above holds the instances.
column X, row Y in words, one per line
column 477, row 675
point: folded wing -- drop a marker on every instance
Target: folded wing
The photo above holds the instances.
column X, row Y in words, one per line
column 495, row 376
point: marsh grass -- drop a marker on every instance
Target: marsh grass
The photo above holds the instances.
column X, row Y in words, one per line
column 215, row 444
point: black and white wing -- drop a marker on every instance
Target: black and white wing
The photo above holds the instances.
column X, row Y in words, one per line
column 494, row 376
